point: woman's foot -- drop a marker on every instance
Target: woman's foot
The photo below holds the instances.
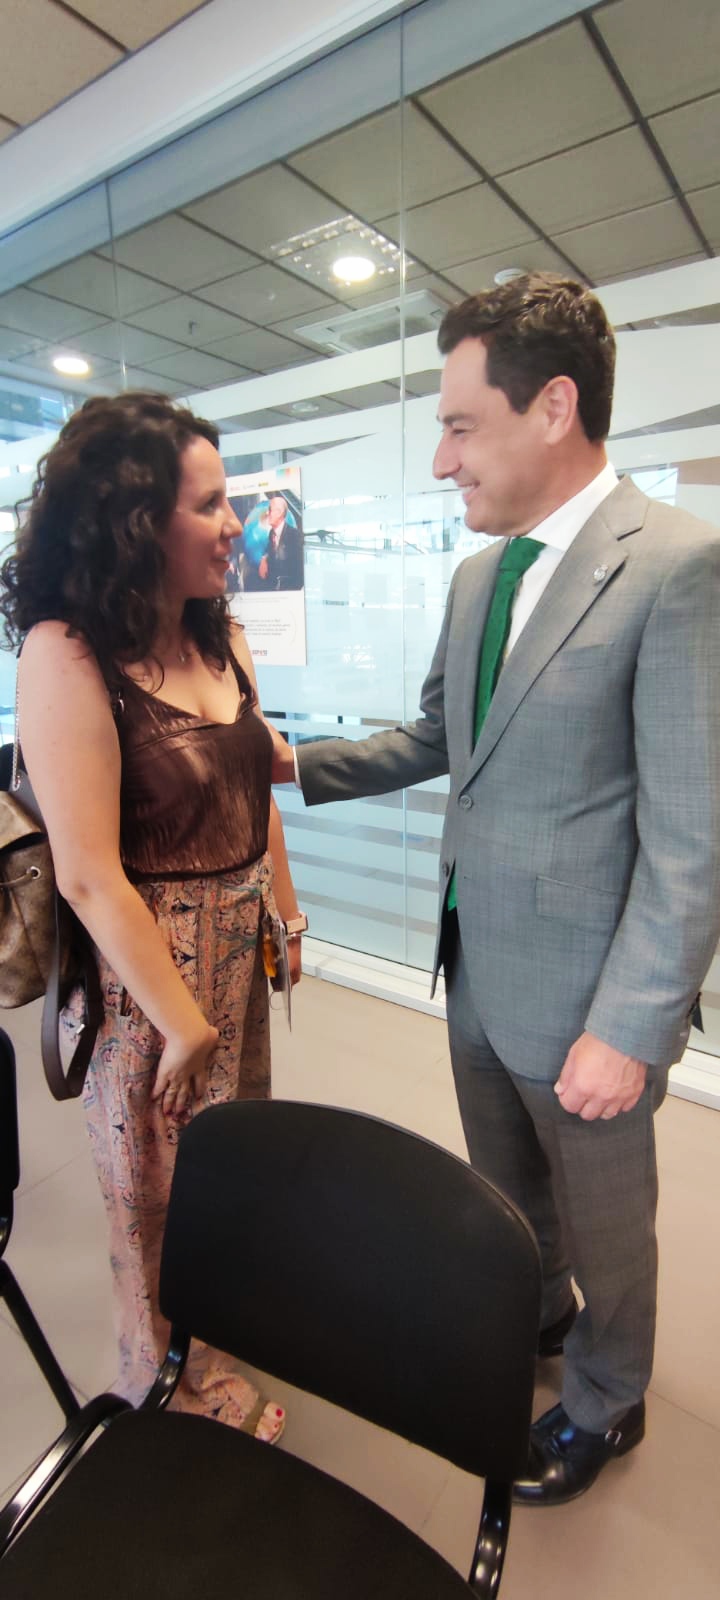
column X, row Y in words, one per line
column 270, row 1425
column 265, row 1420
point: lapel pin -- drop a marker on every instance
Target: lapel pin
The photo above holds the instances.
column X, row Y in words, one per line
column 599, row 574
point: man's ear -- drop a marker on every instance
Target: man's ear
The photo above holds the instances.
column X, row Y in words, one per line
column 559, row 401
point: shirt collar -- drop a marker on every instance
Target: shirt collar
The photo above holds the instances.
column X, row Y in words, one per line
column 563, row 525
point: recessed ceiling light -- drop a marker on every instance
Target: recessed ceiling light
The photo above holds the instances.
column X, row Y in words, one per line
column 506, row 274
column 353, row 269
column 72, row 366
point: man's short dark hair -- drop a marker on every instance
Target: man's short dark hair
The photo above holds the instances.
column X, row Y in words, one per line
column 535, row 328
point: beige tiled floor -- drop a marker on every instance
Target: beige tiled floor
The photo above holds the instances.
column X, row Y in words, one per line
column 648, row 1528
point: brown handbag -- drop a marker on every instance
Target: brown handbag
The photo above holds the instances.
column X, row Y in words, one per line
column 44, row 949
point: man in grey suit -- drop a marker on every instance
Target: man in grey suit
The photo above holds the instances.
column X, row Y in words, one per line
column 573, row 699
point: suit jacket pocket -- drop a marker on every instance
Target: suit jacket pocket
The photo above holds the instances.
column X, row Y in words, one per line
column 577, row 904
column 576, row 657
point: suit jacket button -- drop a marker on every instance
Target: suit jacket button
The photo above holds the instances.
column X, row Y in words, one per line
column 465, row 801
column 446, row 869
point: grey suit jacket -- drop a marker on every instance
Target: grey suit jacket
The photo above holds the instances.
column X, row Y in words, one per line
column 584, row 825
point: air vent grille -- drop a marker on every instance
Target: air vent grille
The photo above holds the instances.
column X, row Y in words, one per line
column 380, row 324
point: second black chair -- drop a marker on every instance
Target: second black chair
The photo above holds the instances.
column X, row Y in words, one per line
column 356, row 1261
column 10, row 1290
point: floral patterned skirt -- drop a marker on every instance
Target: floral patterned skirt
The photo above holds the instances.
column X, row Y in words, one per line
column 211, row 927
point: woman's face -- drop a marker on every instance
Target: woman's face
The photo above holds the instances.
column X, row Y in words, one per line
column 197, row 538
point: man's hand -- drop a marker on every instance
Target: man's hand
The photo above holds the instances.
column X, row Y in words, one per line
column 599, row 1081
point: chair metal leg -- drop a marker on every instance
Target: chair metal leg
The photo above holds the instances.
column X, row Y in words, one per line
column 489, row 1556
column 34, row 1337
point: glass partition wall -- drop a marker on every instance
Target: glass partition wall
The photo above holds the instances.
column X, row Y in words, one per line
column 438, row 151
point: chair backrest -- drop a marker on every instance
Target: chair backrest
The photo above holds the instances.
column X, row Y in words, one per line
column 364, row 1264
column 9, row 1148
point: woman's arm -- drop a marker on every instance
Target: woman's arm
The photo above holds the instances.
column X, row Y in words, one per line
column 284, row 889
column 71, row 751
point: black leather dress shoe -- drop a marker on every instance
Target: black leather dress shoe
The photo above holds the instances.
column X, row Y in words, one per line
column 551, row 1339
column 565, row 1460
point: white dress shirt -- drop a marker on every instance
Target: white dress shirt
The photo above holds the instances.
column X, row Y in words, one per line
column 556, row 533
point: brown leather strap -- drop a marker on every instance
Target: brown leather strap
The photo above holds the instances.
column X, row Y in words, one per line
column 67, row 1085
column 68, row 929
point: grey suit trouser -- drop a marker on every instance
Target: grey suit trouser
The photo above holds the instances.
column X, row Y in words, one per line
column 589, row 1190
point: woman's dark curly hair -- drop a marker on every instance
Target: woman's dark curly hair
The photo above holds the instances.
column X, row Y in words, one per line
column 88, row 552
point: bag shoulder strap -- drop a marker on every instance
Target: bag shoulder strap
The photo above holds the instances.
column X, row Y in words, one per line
column 63, row 1085
column 67, row 1085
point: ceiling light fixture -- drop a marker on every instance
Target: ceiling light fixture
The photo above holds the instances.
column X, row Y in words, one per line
column 507, row 274
column 354, row 269
column 72, row 366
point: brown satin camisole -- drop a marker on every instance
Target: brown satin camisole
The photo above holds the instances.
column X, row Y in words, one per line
column 194, row 795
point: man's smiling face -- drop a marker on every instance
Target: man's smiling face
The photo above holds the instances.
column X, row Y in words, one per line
column 498, row 457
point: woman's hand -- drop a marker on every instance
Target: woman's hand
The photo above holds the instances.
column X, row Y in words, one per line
column 183, row 1069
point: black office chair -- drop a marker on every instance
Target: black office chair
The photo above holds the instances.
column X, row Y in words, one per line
column 356, row 1261
column 10, row 1290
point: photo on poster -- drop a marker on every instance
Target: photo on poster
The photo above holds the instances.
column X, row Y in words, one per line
column 266, row 580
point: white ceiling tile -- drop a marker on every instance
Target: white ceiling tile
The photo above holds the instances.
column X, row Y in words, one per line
column 196, row 367
column 134, row 22
column 47, row 53
column 189, row 320
column 602, row 179
column 256, row 419
column 653, row 236
column 360, row 167
column 178, row 252
column 263, row 350
column 93, row 282
column 536, row 256
column 539, row 98
column 423, row 382
column 119, row 342
column 37, row 314
column 13, row 345
column 368, row 394
column 460, row 227
column 706, row 205
column 666, row 53
column 138, row 378
column 690, row 138
column 263, row 210
column 265, row 295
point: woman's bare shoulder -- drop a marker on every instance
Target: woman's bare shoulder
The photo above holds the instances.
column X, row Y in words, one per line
column 50, row 647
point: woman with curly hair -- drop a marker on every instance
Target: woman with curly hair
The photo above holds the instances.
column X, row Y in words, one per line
column 144, row 740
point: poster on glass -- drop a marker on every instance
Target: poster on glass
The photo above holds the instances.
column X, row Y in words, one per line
column 266, row 581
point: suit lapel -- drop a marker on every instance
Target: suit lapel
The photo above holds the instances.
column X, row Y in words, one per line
column 586, row 569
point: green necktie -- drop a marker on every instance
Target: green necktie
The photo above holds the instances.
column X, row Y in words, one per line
column 518, row 555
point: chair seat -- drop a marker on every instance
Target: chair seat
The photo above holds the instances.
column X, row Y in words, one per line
column 142, row 1514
